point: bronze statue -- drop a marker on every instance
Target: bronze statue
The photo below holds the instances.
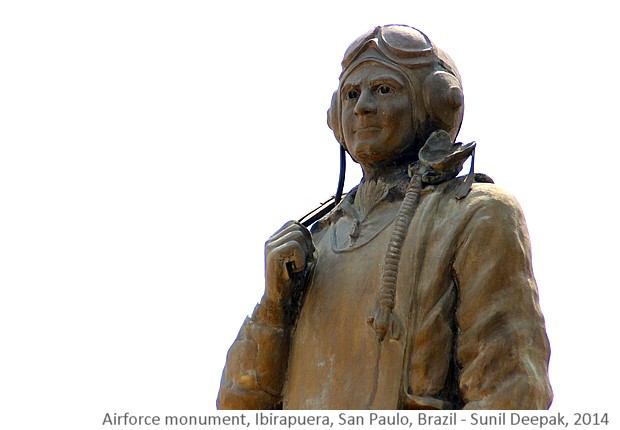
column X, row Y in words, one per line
column 416, row 290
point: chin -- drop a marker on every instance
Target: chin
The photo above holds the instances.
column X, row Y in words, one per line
column 367, row 152
column 367, row 157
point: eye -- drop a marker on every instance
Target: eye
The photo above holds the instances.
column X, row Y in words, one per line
column 384, row 89
column 352, row 94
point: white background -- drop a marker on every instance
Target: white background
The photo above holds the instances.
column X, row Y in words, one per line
column 149, row 148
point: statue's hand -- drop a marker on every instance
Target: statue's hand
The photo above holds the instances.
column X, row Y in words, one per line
column 288, row 251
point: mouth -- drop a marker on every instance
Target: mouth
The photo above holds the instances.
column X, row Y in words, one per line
column 367, row 130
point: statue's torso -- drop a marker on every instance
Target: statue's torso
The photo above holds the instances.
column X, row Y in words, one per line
column 336, row 361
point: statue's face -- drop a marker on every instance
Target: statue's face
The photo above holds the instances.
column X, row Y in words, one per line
column 377, row 116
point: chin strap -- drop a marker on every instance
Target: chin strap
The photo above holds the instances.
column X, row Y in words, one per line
column 343, row 170
column 440, row 161
column 324, row 208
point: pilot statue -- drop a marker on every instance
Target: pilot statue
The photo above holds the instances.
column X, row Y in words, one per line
column 415, row 289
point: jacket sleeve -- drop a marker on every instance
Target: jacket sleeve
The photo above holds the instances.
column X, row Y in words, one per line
column 255, row 365
column 502, row 347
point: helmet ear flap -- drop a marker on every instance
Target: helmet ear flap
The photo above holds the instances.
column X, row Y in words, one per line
column 444, row 101
column 333, row 118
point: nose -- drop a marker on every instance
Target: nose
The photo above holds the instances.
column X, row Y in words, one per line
column 366, row 104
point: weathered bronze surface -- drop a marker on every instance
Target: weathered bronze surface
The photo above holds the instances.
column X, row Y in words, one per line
column 416, row 291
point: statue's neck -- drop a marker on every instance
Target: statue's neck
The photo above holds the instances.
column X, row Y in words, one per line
column 386, row 172
column 373, row 191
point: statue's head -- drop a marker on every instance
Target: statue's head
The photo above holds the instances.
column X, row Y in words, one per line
column 403, row 60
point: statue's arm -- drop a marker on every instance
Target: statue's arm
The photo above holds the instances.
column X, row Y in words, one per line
column 502, row 347
column 256, row 363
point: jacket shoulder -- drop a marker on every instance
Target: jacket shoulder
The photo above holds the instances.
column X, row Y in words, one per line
column 482, row 196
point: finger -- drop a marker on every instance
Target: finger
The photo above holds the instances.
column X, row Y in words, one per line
column 283, row 230
column 294, row 235
column 289, row 254
column 291, row 226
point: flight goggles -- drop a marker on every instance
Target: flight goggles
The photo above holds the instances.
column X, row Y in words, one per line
column 403, row 45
